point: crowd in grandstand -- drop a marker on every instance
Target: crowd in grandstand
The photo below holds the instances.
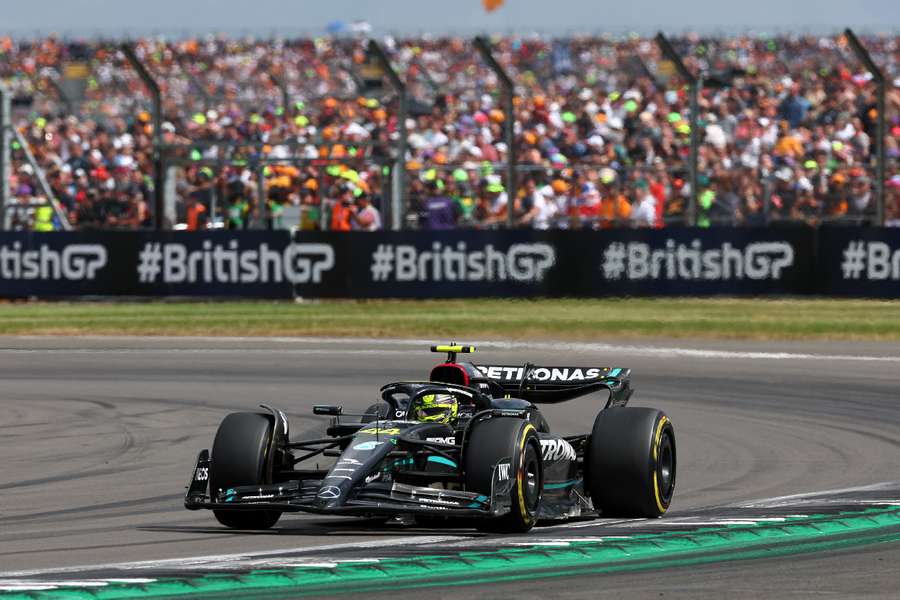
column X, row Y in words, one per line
column 303, row 132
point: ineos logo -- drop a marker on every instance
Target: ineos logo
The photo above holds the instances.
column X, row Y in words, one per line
column 329, row 492
column 202, row 474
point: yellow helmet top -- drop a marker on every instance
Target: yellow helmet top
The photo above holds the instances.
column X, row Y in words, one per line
column 435, row 408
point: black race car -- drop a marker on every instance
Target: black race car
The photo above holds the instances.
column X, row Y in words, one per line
column 468, row 445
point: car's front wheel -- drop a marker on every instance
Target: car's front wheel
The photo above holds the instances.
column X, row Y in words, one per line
column 492, row 441
column 239, row 457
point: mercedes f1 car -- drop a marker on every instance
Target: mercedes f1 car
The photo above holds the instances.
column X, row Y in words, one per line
column 468, row 445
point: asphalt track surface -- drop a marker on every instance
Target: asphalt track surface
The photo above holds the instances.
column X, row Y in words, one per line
column 98, row 437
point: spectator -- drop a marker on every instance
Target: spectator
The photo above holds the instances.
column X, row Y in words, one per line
column 806, row 208
column 794, row 107
column 536, row 208
column 496, row 202
column 771, row 106
column 892, row 208
column 440, row 210
column 614, row 207
column 342, row 210
column 643, row 213
column 367, row 217
column 860, row 203
column 196, row 214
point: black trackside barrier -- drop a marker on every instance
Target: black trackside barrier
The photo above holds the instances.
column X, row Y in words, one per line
column 419, row 264
column 466, row 263
column 842, row 261
column 859, row 261
column 255, row 264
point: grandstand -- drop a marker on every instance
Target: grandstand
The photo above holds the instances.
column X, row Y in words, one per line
column 305, row 133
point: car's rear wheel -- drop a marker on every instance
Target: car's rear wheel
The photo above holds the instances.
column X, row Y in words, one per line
column 239, row 457
column 631, row 461
column 491, row 441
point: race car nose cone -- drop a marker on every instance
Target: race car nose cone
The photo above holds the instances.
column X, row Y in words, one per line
column 329, row 495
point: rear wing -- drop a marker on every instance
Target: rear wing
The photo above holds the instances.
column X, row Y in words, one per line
column 549, row 385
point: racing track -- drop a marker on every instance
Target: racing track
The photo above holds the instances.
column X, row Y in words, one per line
column 98, row 435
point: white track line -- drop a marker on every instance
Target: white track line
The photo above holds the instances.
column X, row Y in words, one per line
column 780, row 500
column 210, row 351
column 22, row 585
column 421, row 344
column 204, row 561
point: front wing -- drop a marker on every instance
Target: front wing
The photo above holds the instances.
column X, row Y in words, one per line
column 374, row 498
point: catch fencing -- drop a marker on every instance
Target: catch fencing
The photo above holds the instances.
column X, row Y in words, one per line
column 841, row 261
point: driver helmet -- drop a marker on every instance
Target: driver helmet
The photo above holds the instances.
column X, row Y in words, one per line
column 435, row 408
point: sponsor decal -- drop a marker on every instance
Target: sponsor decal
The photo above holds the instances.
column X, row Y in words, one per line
column 875, row 261
column 329, row 492
column 379, row 430
column 442, row 440
column 342, row 469
column 527, row 263
column 367, row 445
column 550, row 374
column 348, row 461
column 636, row 261
column 503, row 471
column 171, row 262
column 428, row 496
column 373, row 477
column 557, row 449
column 435, row 501
column 201, row 474
column 399, row 413
column 75, row 262
column 258, row 497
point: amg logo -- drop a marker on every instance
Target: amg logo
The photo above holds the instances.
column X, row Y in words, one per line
column 541, row 373
column 442, row 440
column 554, row 450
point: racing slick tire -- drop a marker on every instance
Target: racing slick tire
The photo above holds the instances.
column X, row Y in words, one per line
column 239, row 456
column 488, row 443
column 380, row 411
column 630, row 462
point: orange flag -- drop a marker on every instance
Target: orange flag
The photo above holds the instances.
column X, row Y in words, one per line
column 492, row 5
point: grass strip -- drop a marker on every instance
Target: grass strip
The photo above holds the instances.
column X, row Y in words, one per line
column 570, row 319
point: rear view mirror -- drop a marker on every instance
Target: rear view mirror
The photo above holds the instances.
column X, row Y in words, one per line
column 324, row 409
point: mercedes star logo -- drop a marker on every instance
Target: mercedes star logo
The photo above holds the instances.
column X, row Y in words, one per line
column 329, row 492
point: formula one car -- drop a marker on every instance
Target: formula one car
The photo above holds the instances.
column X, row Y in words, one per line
column 468, row 445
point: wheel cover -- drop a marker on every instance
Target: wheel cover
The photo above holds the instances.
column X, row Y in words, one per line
column 665, row 467
column 532, row 476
